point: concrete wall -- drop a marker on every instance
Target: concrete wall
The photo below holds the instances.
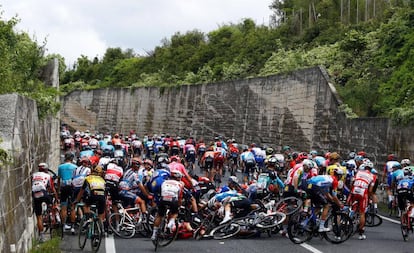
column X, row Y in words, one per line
column 27, row 142
column 299, row 109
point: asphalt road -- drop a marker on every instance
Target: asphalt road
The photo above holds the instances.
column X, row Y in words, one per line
column 385, row 238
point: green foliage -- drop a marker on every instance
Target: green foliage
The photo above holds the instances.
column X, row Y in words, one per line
column 21, row 62
column 50, row 246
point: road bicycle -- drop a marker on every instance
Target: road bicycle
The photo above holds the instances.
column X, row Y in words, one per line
column 407, row 222
column 90, row 227
column 127, row 221
column 303, row 226
column 257, row 222
column 165, row 236
column 51, row 218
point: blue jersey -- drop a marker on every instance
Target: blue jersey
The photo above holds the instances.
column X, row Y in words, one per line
column 65, row 173
column 154, row 184
column 406, row 183
column 397, row 175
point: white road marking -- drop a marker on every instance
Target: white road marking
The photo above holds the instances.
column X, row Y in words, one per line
column 310, row 248
column 389, row 219
column 110, row 244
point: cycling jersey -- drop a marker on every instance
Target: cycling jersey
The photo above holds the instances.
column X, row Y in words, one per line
column 65, row 173
column 79, row 176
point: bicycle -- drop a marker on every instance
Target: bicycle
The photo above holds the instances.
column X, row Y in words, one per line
column 50, row 217
column 257, row 221
column 304, row 226
column 90, row 228
column 165, row 236
column 407, row 222
column 372, row 219
column 127, row 221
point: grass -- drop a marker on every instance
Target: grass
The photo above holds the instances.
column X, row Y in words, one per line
column 50, row 246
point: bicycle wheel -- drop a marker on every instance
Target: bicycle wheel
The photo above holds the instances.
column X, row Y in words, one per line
column 372, row 220
column 289, row 205
column 96, row 237
column 83, row 233
column 300, row 228
column 268, row 221
column 122, row 226
column 404, row 227
column 225, row 231
column 342, row 228
column 165, row 235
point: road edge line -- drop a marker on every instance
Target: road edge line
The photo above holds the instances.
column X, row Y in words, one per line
column 389, row 219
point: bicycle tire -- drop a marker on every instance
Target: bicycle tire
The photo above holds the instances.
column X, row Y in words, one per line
column 165, row 236
column 96, row 237
column 82, row 233
column 300, row 228
column 341, row 230
column 271, row 220
column 225, row 231
column 288, row 205
column 404, row 228
column 372, row 220
column 122, row 226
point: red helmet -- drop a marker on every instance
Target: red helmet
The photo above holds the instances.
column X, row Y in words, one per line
column 392, row 157
column 175, row 158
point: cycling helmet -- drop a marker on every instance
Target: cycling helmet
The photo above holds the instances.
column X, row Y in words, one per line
column 362, row 167
column 351, row 155
column 218, row 144
column 233, row 179
column 327, row 155
column 97, row 169
column 136, row 161
column 85, row 160
column 212, row 202
column 359, row 158
column 362, row 153
column 295, row 155
column 374, row 171
column 405, row 162
column 43, row 167
column 397, row 166
column 407, row 171
column 162, row 159
column 308, row 163
column 303, row 156
column 286, row 148
column 392, row 157
column 272, row 161
column 149, row 162
column 338, row 171
column 269, row 151
column 313, row 152
column 177, row 175
column 369, row 165
column 175, row 158
column 224, row 189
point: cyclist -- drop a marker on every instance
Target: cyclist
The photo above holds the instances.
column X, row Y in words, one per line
column 248, row 163
column 42, row 187
column 227, row 201
column 362, row 189
column 65, row 173
column 169, row 194
column 93, row 192
column 322, row 190
column 131, row 188
column 387, row 177
column 207, row 161
column 190, row 153
column 405, row 191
